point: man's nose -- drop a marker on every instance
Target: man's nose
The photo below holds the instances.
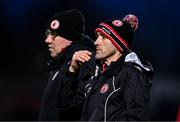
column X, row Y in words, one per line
column 98, row 41
column 48, row 39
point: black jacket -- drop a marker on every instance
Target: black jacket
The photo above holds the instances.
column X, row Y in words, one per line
column 55, row 102
column 120, row 93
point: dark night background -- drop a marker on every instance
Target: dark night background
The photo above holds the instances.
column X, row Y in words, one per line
column 24, row 53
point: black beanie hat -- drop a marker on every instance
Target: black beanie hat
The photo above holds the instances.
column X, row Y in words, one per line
column 119, row 32
column 69, row 24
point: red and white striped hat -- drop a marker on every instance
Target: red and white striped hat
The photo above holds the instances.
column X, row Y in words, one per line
column 119, row 32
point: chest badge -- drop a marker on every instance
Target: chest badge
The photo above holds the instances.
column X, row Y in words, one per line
column 104, row 88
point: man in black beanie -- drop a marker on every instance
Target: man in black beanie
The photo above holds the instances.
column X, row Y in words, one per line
column 119, row 89
column 65, row 33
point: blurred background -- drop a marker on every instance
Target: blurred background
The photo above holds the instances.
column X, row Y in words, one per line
column 24, row 53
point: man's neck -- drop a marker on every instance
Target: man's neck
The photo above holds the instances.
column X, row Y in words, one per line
column 113, row 58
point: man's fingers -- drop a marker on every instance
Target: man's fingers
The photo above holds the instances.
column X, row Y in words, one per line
column 78, row 59
column 83, row 58
column 85, row 55
column 86, row 51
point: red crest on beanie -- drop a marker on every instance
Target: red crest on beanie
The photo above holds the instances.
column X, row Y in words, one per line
column 54, row 24
column 117, row 23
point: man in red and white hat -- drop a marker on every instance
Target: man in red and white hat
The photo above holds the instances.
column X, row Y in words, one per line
column 119, row 88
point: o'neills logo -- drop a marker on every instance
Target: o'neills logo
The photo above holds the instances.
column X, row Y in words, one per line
column 104, row 88
column 54, row 24
column 106, row 30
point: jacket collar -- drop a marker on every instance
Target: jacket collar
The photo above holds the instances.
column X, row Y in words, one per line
column 66, row 56
column 115, row 67
column 61, row 58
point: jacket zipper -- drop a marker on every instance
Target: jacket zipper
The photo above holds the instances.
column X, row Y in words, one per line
column 105, row 106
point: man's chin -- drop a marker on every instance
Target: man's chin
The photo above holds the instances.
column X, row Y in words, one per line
column 99, row 57
column 53, row 55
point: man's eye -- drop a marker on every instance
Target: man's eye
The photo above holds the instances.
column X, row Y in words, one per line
column 103, row 36
column 54, row 35
column 98, row 34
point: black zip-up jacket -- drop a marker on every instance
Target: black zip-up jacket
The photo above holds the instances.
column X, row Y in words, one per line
column 56, row 99
column 120, row 93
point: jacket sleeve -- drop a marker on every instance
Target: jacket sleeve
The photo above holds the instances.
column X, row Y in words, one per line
column 84, row 74
column 136, row 95
column 88, row 68
column 67, row 90
column 71, row 94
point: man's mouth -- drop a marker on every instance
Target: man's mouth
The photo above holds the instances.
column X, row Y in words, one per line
column 50, row 49
column 98, row 50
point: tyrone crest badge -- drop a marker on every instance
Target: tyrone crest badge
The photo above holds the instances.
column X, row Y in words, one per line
column 54, row 24
column 117, row 23
column 104, row 88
